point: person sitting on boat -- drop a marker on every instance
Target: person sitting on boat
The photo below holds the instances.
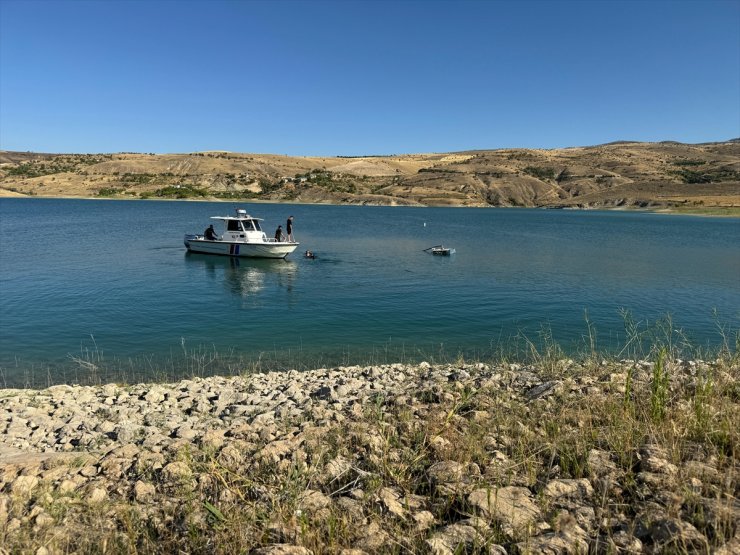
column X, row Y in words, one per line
column 210, row 233
column 279, row 234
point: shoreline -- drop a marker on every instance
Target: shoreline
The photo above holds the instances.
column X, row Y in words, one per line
column 598, row 456
column 708, row 211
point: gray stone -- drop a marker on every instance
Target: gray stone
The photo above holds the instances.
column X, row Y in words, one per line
column 391, row 501
column 96, row 495
column 177, row 472
column 282, row 549
column 545, row 390
column 511, row 506
column 555, row 543
column 452, row 477
column 144, row 492
column 674, row 534
column 24, row 485
column 423, row 520
column 455, row 538
column 576, row 489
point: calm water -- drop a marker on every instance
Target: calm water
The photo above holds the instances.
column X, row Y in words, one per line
column 109, row 282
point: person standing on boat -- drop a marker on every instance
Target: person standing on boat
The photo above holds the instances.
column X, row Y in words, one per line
column 210, row 233
column 289, row 229
column 279, row 234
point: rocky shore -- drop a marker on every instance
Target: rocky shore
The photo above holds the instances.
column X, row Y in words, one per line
column 563, row 457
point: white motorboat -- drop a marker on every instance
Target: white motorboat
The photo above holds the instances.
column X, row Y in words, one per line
column 242, row 236
column 440, row 250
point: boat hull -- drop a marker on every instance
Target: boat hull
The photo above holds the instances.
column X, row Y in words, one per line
column 241, row 250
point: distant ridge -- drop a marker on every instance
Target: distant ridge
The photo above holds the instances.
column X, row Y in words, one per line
column 616, row 174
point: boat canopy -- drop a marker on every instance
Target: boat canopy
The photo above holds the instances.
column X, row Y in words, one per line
column 242, row 218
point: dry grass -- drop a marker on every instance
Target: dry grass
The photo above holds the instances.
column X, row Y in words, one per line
column 614, row 175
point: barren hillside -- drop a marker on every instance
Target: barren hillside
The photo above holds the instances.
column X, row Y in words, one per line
column 664, row 174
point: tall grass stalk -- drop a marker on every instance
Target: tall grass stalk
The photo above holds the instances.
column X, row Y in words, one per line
column 659, row 386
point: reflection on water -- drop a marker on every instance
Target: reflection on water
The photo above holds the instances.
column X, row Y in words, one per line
column 246, row 277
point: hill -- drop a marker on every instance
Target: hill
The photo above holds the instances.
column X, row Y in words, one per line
column 623, row 173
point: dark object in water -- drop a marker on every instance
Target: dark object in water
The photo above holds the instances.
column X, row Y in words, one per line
column 309, row 254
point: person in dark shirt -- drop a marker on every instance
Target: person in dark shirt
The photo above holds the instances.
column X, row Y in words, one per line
column 279, row 234
column 210, row 233
column 289, row 229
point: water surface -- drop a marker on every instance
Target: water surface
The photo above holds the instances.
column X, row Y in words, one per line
column 85, row 278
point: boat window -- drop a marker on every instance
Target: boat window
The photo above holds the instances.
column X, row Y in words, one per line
column 249, row 225
column 233, row 225
column 256, row 225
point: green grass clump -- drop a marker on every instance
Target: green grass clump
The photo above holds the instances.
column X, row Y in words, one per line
column 540, row 172
column 110, row 191
column 177, row 192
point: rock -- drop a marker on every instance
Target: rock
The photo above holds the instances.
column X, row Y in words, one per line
column 578, row 489
column 88, row 471
column 282, row 549
column 600, row 463
column 732, row 547
column 155, row 395
column 655, row 459
column 66, row 486
column 232, row 456
column 315, row 503
column 555, row 543
column 213, row 439
column 351, row 508
column 390, row 500
column 44, row 520
column 544, row 390
column 4, row 510
column 703, row 471
column 144, row 492
column 512, row 507
column 126, row 432
column 96, row 495
column 623, row 542
column 323, row 392
column 23, row 485
column 374, row 538
column 185, row 432
column 424, row 520
column 336, row 468
column 277, row 450
column 177, row 472
column 113, row 467
column 452, row 477
column 672, row 534
column 456, row 538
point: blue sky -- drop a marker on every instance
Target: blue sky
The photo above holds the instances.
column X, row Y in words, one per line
column 355, row 78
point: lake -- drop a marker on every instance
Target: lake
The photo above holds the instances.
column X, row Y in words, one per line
column 105, row 289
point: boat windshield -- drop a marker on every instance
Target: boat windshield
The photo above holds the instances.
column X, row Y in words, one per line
column 233, row 225
column 252, row 225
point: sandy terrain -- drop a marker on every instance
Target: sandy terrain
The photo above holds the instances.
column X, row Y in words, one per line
column 624, row 174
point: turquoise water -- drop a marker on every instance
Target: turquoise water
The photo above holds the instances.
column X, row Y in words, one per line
column 109, row 283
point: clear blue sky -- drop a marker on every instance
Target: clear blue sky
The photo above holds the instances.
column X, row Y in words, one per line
column 352, row 78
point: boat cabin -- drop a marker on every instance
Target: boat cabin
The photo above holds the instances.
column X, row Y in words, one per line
column 241, row 228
